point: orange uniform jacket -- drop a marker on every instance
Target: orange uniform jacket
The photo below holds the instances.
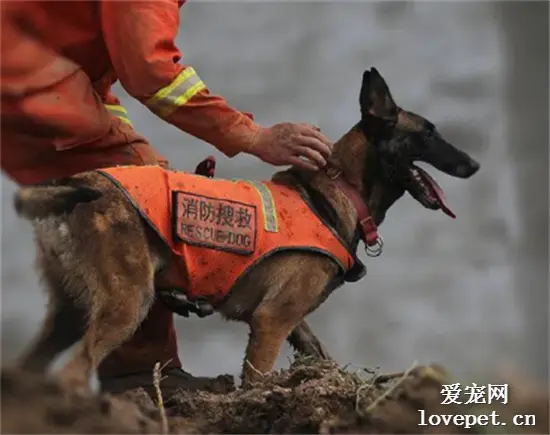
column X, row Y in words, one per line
column 218, row 230
column 108, row 40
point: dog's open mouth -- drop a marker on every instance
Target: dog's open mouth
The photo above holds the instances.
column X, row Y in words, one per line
column 425, row 190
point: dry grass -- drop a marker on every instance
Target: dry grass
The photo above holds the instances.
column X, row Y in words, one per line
column 157, row 379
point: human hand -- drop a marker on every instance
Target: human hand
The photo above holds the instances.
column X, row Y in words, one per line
column 300, row 145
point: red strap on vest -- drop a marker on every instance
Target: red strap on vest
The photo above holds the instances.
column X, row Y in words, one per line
column 207, row 168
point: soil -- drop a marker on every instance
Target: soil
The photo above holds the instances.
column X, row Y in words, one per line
column 309, row 397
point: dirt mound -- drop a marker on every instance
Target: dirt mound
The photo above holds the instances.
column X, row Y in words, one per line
column 307, row 398
column 34, row 404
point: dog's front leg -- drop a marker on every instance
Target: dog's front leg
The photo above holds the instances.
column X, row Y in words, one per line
column 286, row 301
column 267, row 335
column 304, row 340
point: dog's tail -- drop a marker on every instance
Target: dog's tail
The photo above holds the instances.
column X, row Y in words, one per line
column 35, row 202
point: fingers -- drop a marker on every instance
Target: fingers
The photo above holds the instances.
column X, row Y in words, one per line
column 309, row 153
column 322, row 143
column 301, row 145
column 301, row 163
column 310, row 130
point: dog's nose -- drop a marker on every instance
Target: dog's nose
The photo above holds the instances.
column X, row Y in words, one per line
column 467, row 170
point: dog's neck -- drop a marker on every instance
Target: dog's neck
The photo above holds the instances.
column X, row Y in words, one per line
column 350, row 156
column 343, row 182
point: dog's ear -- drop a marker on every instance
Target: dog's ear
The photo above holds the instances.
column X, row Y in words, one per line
column 364, row 96
column 375, row 98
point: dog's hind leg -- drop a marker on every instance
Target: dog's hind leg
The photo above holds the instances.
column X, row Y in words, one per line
column 64, row 323
column 304, row 340
column 121, row 298
column 64, row 326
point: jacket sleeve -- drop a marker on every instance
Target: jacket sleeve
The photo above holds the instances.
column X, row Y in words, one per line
column 140, row 37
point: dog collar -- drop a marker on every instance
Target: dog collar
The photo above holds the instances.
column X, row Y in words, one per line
column 367, row 226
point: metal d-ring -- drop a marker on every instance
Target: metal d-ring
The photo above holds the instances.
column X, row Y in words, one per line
column 376, row 249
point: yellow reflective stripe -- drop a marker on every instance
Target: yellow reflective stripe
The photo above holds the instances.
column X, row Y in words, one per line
column 165, row 92
column 119, row 112
column 271, row 222
column 184, row 87
column 116, row 109
column 126, row 120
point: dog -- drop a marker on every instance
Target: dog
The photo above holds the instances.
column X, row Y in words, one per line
column 102, row 254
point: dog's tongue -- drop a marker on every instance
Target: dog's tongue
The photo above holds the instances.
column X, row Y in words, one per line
column 437, row 191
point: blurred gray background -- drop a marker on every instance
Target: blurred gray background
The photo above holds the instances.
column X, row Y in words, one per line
column 470, row 293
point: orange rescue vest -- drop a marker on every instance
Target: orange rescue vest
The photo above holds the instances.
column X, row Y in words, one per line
column 218, row 230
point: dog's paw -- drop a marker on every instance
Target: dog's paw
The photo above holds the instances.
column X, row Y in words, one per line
column 76, row 387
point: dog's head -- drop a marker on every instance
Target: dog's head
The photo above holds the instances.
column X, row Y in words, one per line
column 400, row 138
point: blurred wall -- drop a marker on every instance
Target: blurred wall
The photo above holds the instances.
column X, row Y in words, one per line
column 524, row 28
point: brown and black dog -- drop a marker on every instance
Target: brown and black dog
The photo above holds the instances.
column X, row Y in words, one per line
column 101, row 260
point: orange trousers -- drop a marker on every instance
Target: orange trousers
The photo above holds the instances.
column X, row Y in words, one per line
column 55, row 125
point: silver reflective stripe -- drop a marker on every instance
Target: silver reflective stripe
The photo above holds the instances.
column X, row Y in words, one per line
column 271, row 223
column 119, row 111
column 184, row 87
